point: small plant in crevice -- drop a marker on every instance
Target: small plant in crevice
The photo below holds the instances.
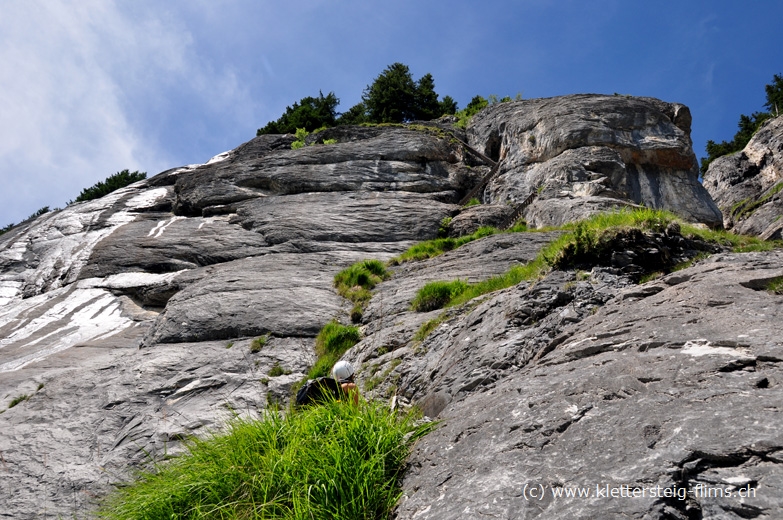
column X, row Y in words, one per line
column 427, row 327
column 443, row 229
column 278, row 370
column 229, row 344
column 300, row 134
column 257, row 344
column 19, row 399
column 472, row 202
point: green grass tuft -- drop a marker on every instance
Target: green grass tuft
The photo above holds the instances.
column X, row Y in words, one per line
column 775, row 286
column 335, row 461
column 356, row 282
column 257, row 344
column 335, row 338
column 277, row 370
column 472, row 202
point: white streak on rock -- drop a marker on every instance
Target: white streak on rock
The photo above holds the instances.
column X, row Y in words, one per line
column 78, row 316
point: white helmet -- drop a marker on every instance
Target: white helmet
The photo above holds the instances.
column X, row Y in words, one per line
column 342, row 371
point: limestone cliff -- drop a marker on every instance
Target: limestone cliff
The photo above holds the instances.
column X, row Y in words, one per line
column 746, row 184
column 125, row 322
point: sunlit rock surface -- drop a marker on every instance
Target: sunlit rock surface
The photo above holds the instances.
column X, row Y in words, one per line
column 126, row 322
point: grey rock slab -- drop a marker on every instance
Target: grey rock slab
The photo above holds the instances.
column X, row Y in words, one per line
column 355, row 217
column 675, row 387
column 282, row 294
column 164, row 243
column 395, row 159
column 470, row 219
column 103, row 409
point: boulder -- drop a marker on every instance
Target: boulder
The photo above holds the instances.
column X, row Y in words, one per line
column 589, row 149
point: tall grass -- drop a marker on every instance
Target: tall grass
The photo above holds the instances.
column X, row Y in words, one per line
column 332, row 461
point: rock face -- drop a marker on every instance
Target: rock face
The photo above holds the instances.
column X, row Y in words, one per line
column 589, row 153
column 126, row 322
column 746, row 185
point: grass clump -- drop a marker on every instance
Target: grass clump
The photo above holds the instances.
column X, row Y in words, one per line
column 775, row 286
column 257, row 344
column 331, row 343
column 438, row 246
column 334, row 461
column 472, row 202
column 435, row 295
column 356, row 282
column 277, row 370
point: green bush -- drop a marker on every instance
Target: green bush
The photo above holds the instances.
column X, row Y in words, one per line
column 335, row 461
column 112, row 183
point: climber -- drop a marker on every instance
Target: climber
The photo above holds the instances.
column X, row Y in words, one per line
column 343, row 373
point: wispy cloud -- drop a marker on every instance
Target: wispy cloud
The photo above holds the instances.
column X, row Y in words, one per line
column 75, row 78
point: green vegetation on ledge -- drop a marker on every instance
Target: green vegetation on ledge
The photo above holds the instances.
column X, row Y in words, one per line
column 582, row 240
column 438, row 246
column 334, row 461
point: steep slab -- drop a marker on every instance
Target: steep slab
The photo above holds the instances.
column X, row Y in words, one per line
column 670, row 385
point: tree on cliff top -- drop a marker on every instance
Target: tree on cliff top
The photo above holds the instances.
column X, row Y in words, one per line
column 112, row 183
column 747, row 125
column 309, row 113
column 395, row 98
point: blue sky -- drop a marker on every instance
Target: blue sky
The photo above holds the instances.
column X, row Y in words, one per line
column 91, row 87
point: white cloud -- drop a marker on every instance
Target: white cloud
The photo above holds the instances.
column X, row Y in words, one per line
column 70, row 73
